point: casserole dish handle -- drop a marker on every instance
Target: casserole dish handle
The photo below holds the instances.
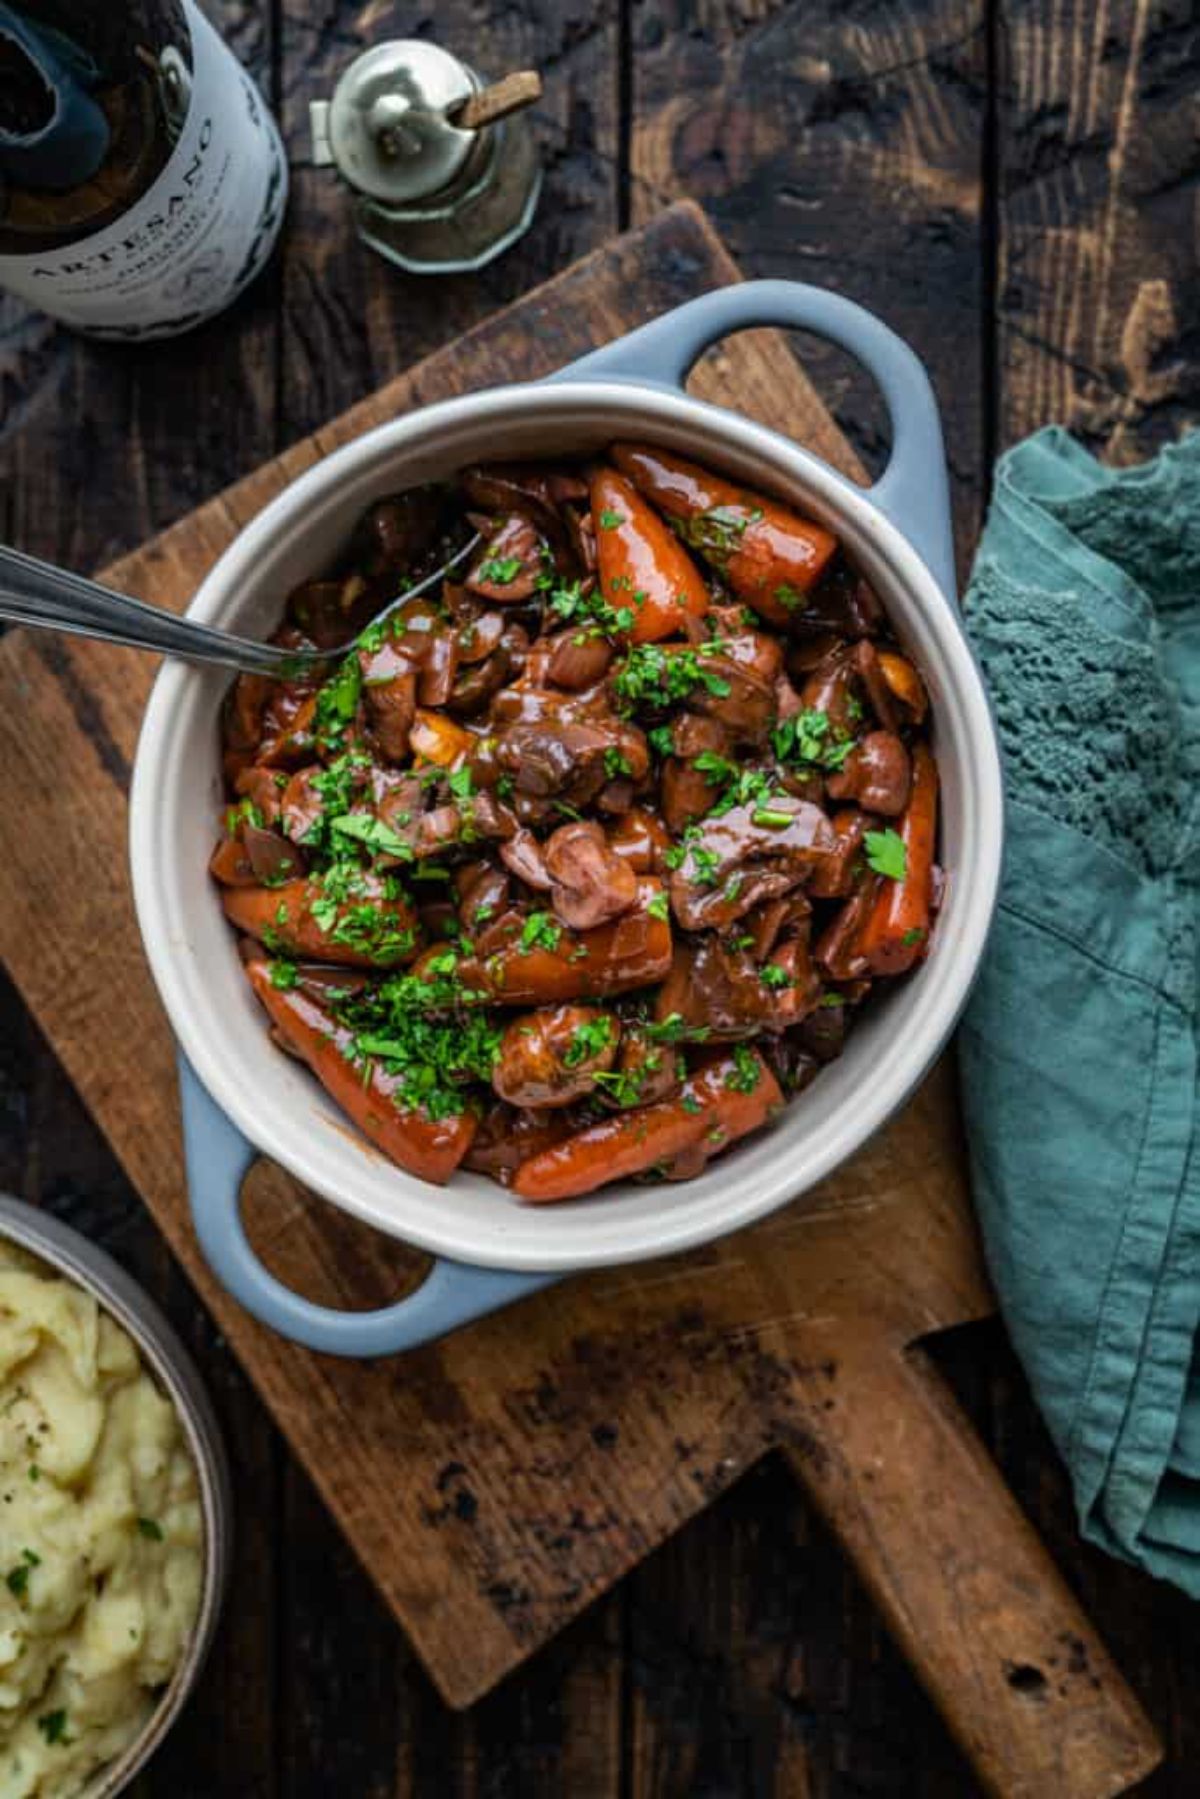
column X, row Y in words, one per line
column 913, row 491
column 218, row 1159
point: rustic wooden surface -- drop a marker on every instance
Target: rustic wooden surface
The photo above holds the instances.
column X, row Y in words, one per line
column 497, row 1484
column 1013, row 188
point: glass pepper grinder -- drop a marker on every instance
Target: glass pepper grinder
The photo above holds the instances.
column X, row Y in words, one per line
column 444, row 170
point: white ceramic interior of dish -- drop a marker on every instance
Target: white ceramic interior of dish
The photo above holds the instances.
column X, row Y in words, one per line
column 192, row 951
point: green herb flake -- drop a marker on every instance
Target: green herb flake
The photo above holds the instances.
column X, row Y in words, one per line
column 655, row 677
column 772, row 817
column 541, row 931
column 282, row 974
column 913, row 936
column 591, row 1039
column 772, row 975
column 659, row 906
column 53, row 1726
column 151, row 1528
column 746, row 1072
column 808, row 738
column 886, row 854
column 572, row 605
column 373, row 834
column 691, row 1104
column 337, row 702
column 500, row 571
column 674, row 1029
column 608, row 520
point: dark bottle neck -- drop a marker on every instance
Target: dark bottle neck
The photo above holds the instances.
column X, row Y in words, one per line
column 53, row 134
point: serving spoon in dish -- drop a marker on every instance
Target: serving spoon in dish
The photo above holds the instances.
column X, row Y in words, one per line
column 54, row 599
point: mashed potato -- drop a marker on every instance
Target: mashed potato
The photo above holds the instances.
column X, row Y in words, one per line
column 100, row 1535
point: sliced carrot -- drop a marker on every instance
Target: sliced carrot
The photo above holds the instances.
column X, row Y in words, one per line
column 366, row 929
column 552, row 964
column 712, row 1109
column 770, row 556
column 642, row 566
column 896, row 931
column 428, row 1147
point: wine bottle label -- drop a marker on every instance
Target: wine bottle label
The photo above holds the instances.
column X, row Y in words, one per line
column 199, row 233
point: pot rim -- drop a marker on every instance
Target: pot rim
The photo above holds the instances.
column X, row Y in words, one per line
column 674, row 1227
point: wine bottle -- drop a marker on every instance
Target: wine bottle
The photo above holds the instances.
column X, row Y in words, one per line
column 142, row 179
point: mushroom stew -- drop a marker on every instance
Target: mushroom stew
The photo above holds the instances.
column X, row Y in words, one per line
column 576, row 870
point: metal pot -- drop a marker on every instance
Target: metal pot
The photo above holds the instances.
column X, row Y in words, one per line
column 244, row 1097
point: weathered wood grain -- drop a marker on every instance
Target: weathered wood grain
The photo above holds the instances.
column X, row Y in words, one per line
column 841, row 144
column 496, row 1482
column 98, row 446
column 1097, row 178
column 351, row 320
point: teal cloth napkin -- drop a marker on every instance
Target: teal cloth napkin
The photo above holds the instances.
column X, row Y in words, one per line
column 1078, row 1050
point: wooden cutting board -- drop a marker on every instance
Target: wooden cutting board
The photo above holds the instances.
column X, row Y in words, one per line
column 497, row 1482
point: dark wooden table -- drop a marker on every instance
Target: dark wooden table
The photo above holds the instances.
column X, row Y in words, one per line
column 1013, row 186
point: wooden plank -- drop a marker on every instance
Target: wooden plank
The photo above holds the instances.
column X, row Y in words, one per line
column 497, row 1482
column 841, row 145
column 1097, row 177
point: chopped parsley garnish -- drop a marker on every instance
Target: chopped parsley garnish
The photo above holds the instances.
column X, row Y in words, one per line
column 427, row 1033
column 572, row 606
column 886, row 854
column 337, row 702
column 718, row 532
column 807, row 737
column 616, row 763
column 53, row 1726
column 691, row 1104
column 608, row 521
column 462, row 784
column 717, row 770
column 659, row 906
column 748, row 787
column 151, row 1528
column 772, row 975
column 652, row 676
column 542, row 931
column 283, row 974
column 366, row 829
column 746, row 1072
column 501, row 571
column 17, row 1579
column 245, row 812
column 591, row 1039
column 625, row 1086
column 706, row 865
column 772, row 817
column 346, row 912
column 659, row 740
column 674, row 1029
column 913, row 936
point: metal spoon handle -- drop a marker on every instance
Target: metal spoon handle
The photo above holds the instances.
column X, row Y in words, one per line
column 36, row 593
